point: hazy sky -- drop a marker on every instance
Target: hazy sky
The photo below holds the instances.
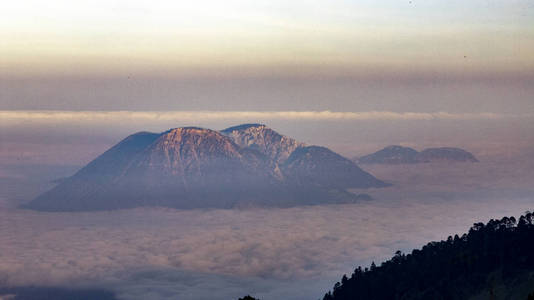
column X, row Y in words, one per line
column 78, row 76
column 335, row 73
column 102, row 36
column 296, row 253
column 403, row 56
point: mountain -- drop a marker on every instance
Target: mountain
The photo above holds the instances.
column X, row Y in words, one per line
column 321, row 167
column 405, row 155
column 190, row 167
column 183, row 167
column 267, row 141
column 492, row 261
column 391, row 155
column 446, row 154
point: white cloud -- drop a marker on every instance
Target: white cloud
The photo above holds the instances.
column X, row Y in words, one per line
column 294, row 253
column 7, row 116
column 263, row 251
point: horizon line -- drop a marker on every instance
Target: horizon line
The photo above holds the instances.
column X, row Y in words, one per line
column 10, row 116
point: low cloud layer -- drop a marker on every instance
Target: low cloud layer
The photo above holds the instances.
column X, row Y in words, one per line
column 295, row 253
column 164, row 254
column 239, row 116
column 76, row 137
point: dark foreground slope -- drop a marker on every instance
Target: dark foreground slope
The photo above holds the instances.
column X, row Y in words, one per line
column 54, row 293
column 492, row 261
column 189, row 167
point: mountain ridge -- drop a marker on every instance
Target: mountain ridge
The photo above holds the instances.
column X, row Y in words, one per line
column 396, row 154
column 262, row 138
column 193, row 167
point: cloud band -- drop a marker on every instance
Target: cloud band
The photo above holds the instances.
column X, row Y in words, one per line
column 88, row 116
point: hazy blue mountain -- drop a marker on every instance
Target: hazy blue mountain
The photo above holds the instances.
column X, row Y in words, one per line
column 445, row 154
column 404, row 155
column 391, row 155
column 321, row 167
column 247, row 165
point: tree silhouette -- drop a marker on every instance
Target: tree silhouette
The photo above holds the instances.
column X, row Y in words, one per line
column 456, row 268
column 248, row 297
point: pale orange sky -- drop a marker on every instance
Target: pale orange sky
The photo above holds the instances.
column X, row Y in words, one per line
column 176, row 63
column 114, row 37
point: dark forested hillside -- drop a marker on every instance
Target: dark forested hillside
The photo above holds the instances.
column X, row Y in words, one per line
column 54, row 293
column 492, row 261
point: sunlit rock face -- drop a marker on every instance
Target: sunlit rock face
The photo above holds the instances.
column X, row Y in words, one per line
column 276, row 147
column 267, row 141
column 192, row 156
column 190, row 167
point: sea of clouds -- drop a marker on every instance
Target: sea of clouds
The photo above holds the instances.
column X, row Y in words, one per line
column 159, row 253
column 294, row 253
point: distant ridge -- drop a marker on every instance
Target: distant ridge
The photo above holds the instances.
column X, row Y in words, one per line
column 446, row 153
column 391, row 155
column 192, row 167
column 405, row 155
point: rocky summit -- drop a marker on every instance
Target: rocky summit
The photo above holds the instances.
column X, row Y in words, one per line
column 191, row 167
column 259, row 137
